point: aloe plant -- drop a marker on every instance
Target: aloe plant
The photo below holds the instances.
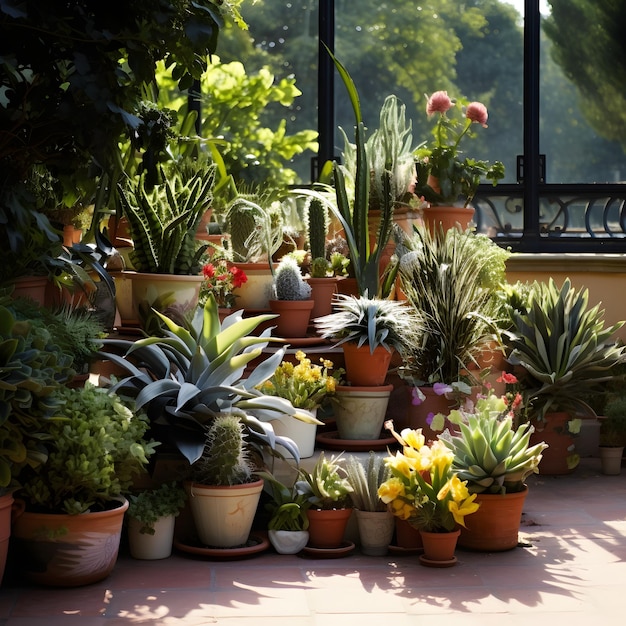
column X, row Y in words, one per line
column 326, row 486
column 185, row 378
column 564, row 346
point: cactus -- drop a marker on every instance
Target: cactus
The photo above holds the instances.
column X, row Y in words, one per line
column 316, row 221
column 225, row 460
column 288, row 281
column 320, row 267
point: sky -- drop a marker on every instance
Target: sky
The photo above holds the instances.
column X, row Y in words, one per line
column 519, row 5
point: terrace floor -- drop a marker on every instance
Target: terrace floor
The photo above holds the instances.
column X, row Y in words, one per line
column 570, row 566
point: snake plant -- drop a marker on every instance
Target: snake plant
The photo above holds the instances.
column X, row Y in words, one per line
column 192, row 373
column 564, row 346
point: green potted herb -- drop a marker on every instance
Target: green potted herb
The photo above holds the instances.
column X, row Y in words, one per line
column 96, row 445
column 151, row 516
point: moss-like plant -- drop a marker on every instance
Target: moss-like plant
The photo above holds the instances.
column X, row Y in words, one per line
column 151, row 505
column 96, row 446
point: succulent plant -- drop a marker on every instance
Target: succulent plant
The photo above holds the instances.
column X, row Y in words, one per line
column 288, row 281
column 326, row 486
column 365, row 477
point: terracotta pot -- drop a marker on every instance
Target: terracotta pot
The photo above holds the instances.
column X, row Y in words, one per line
column 322, row 293
column 6, row 504
column 327, row 527
column 439, row 546
column 348, row 286
column 294, row 315
column 151, row 547
column 68, row 550
column 419, row 415
column 447, row 217
column 364, row 368
column 33, row 287
column 223, row 516
column 495, row 526
column 560, row 456
column 360, row 411
column 407, row 536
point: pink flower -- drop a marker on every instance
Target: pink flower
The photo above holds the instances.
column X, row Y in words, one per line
column 477, row 112
column 439, row 102
column 441, row 388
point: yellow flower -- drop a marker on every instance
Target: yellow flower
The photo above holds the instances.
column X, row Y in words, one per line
column 390, row 490
column 400, row 464
column 401, row 509
column 465, row 507
column 413, row 438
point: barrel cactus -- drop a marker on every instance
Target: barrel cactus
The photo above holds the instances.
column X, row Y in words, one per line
column 288, row 281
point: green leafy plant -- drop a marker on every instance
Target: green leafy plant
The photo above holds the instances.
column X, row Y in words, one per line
column 326, row 486
column 613, row 422
column 95, row 445
column 365, row 478
column 456, row 175
column 564, row 347
column 368, row 321
column 191, row 374
column 151, row 505
column 287, row 508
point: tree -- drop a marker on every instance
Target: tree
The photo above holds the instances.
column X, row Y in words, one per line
column 589, row 46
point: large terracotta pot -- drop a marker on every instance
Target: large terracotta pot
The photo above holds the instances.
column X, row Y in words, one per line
column 327, row 527
column 364, row 368
column 447, row 217
column 293, row 317
column 33, row 287
column 360, row 411
column 223, row 516
column 439, row 547
column 68, row 550
column 560, row 456
column 495, row 526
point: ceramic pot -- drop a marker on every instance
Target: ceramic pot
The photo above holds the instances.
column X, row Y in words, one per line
column 255, row 293
column 559, row 457
column 288, row 541
column 327, row 527
column 68, row 550
column 293, row 317
column 494, row 527
column 439, row 547
column 365, row 368
column 300, row 432
column 151, row 547
column 611, row 460
column 360, row 411
column 223, row 516
column 375, row 531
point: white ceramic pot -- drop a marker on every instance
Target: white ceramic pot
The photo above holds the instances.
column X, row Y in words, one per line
column 360, row 411
column 301, row 433
column 151, row 547
column 288, row 541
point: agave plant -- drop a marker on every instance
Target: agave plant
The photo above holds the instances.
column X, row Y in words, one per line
column 564, row 347
column 187, row 377
column 489, row 452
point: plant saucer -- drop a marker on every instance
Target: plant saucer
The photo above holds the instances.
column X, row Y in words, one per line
column 256, row 543
column 329, row 553
column 434, row 563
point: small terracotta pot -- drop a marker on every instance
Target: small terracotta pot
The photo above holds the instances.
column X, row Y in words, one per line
column 364, row 368
column 327, row 527
column 294, row 315
column 439, row 546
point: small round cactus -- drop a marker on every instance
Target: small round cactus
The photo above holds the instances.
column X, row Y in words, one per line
column 288, row 281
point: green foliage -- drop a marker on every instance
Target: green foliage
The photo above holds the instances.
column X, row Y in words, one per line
column 369, row 321
column 613, row 423
column 287, row 507
column 441, row 277
column 288, row 281
column 151, row 505
column 95, row 447
column 225, row 459
column 326, row 486
column 316, row 221
column 163, row 220
column 490, row 453
column 194, row 372
column 365, row 478
column 564, row 347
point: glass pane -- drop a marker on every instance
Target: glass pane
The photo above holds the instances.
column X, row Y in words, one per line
column 582, row 93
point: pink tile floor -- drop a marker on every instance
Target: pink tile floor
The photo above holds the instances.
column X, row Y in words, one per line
column 571, row 568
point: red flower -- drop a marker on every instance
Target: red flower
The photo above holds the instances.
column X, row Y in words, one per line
column 509, row 379
column 208, row 270
column 477, row 112
column 239, row 277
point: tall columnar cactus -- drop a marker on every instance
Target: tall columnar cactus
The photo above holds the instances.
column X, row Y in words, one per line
column 225, row 460
column 288, row 281
column 316, row 221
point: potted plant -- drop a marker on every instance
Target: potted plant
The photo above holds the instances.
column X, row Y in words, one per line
column 288, row 524
column 307, row 386
column 562, row 351
column 75, row 501
column 151, row 516
column 187, row 377
column 291, row 299
column 444, row 174
column 613, row 435
column 441, row 276
column 223, row 281
column 375, row 522
column 494, row 457
column 424, row 490
column 223, row 489
column 326, row 489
